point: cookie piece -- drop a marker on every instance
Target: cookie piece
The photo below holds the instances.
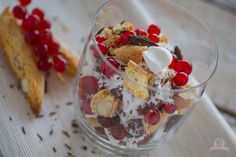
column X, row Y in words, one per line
column 104, row 104
column 112, row 42
column 181, row 103
column 93, row 122
column 129, row 52
column 150, row 129
column 136, row 79
column 19, row 56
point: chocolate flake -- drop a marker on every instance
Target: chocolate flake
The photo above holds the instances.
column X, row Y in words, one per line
column 46, row 87
column 51, row 131
column 140, row 40
column 172, row 121
column 100, row 31
column 69, row 103
column 67, row 146
column 52, row 114
column 10, row 118
column 40, row 137
column 74, row 124
column 93, row 152
column 66, row 133
column 84, row 148
column 11, row 86
column 122, row 22
column 39, row 116
column 75, row 131
column 178, row 53
column 23, row 130
column 54, row 149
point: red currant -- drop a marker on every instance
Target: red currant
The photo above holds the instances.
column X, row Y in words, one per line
column 32, row 37
column 180, row 79
column 125, row 36
column 85, row 107
column 151, row 116
column 53, row 48
column 173, row 63
column 44, row 64
column 41, row 50
column 45, row 36
column 82, row 95
column 89, row 84
column 141, row 32
column 19, row 12
column 59, row 64
column 45, row 24
column 154, row 38
column 100, row 39
column 30, row 23
column 106, row 69
column 106, row 122
column 118, row 131
column 38, row 12
column 154, row 29
column 24, row 2
column 183, row 66
column 169, row 107
column 103, row 48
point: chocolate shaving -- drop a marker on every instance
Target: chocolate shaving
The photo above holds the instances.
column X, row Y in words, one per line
column 93, row 152
column 40, row 137
column 23, row 130
column 46, row 87
column 54, row 149
column 66, row 133
column 51, row 132
column 67, row 146
column 84, row 148
column 100, row 31
column 39, row 116
column 69, row 103
column 75, row 131
column 178, row 53
column 172, row 121
column 122, row 22
column 10, row 118
column 52, row 114
column 140, row 40
column 74, row 124
column 11, row 86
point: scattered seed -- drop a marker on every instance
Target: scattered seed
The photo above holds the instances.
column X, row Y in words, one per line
column 69, row 103
column 40, row 137
column 84, row 148
column 66, row 133
column 67, row 146
column 23, row 130
column 54, row 149
column 52, row 114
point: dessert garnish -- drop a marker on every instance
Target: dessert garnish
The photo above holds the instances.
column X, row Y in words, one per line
column 144, row 61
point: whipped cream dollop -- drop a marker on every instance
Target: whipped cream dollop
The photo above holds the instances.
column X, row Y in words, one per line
column 157, row 58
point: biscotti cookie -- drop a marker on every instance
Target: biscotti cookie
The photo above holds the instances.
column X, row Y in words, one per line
column 19, row 55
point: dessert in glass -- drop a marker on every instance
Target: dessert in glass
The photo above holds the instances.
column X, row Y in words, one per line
column 138, row 79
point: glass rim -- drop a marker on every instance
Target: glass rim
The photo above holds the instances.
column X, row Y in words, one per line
column 202, row 83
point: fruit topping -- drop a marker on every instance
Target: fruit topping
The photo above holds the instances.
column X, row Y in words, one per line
column 140, row 32
column 19, row 12
column 38, row 12
column 154, row 29
column 106, row 69
column 183, row 66
column 103, row 48
column 151, row 116
column 154, row 38
column 180, row 79
column 100, row 39
column 85, row 107
column 44, row 64
column 169, row 107
column 24, row 2
column 125, row 36
column 89, row 84
column 59, row 64
column 106, row 122
column 118, row 131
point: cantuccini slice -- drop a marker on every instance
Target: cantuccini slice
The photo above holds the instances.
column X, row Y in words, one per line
column 136, row 79
column 19, row 55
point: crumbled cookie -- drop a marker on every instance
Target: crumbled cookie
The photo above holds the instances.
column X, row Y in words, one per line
column 129, row 52
column 113, row 41
column 181, row 103
column 104, row 104
column 19, row 55
column 150, row 129
column 107, row 33
column 136, row 79
column 93, row 122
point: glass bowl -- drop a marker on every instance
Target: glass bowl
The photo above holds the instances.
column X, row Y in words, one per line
column 110, row 112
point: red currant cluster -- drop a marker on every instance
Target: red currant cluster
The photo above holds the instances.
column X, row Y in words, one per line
column 183, row 69
column 38, row 35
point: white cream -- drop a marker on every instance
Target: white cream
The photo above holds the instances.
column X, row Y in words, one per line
column 157, row 58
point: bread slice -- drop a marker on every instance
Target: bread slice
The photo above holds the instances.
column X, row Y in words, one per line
column 19, row 55
column 129, row 52
column 136, row 79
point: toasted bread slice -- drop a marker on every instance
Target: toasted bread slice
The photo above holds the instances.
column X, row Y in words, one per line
column 19, row 55
column 104, row 104
column 129, row 52
column 136, row 80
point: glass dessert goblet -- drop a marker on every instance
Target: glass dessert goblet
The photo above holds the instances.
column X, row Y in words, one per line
column 135, row 87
